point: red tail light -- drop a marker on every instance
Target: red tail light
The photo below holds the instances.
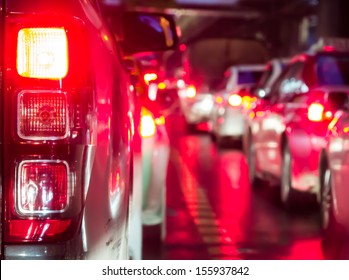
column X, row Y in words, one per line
column 48, row 96
column 235, row 100
column 190, row 92
column 36, row 230
column 42, row 187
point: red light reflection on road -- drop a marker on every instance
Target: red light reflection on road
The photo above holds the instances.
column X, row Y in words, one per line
column 216, row 215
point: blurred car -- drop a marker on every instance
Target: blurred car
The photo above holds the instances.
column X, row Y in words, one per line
column 286, row 131
column 155, row 143
column 227, row 119
column 334, row 170
column 196, row 104
column 68, row 128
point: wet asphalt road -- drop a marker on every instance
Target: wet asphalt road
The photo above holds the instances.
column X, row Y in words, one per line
column 212, row 212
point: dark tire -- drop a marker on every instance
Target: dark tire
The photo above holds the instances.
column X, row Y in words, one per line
column 287, row 193
column 332, row 233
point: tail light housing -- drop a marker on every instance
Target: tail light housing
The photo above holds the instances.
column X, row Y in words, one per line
column 42, row 115
column 235, row 100
column 42, row 187
column 48, row 96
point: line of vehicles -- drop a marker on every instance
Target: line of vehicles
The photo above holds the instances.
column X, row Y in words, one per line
column 83, row 144
column 292, row 117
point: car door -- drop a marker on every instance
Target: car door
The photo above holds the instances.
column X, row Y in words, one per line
column 339, row 164
column 274, row 121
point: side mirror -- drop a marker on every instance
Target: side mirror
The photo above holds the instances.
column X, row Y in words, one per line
column 148, row 32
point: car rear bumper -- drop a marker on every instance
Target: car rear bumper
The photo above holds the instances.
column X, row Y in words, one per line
column 196, row 111
column 305, row 151
column 231, row 123
column 55, row 251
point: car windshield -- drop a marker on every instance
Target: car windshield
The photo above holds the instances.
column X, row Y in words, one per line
column 333, row 69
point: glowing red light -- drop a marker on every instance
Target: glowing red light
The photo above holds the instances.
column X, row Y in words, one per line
column 329, row 48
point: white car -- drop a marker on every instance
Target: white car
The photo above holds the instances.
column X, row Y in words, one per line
column 196, row 105
column 227, row 117
column 273, row 69
column 155, row 157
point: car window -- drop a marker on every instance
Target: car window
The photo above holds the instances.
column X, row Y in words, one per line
column 275, row 88
column 293, row 83
column 265, row 76
column 333, row 69
column 249, row 77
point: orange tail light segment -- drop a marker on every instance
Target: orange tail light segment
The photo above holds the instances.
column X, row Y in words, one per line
column 42, row 53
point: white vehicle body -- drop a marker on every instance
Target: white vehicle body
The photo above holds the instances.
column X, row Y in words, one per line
column 228, row 120
column 197, row 108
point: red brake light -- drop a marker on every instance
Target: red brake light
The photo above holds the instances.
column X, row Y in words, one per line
column 316, row 112
column 42, row 53
column 36, row 230
column 235, row 100
column 190, row 91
